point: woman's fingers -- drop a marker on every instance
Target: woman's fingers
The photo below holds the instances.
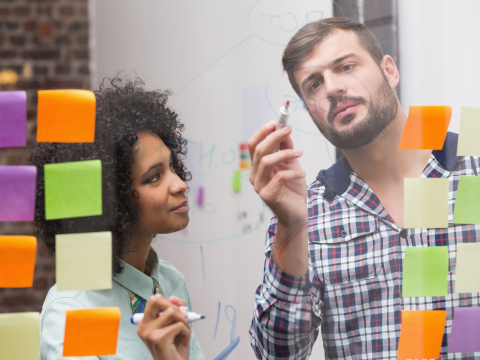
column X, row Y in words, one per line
column 155, row 305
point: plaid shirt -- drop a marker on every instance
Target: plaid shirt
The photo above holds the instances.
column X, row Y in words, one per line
column 354, row 284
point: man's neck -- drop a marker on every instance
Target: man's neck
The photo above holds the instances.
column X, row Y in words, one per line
column 380, row 162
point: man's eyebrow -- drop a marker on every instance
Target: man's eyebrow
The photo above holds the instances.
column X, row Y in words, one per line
column 340, row 59
column 332, row 63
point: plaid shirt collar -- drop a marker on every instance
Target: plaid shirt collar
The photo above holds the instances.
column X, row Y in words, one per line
column 340, row 180
column 337, row 177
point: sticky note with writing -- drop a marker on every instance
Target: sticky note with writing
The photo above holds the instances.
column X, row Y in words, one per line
column 425, row 203
column 465, row 335
column 13, row 118
column 425, row 272
column 421, row 334
column 17, row 192
column 20, row 336
column 468, row 144
column 73, row 189
column 466, row 210
column 66, row 116
column 468, row 268
column 17, row 261
column 91, row 332
column 426, row 128
column 84, row 261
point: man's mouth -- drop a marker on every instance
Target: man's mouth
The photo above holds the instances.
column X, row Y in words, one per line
column 344, row 109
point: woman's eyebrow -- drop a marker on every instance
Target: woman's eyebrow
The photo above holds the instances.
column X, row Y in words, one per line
column 159, row 164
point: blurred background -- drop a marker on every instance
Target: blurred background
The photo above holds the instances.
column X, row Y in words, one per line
column 222, row 61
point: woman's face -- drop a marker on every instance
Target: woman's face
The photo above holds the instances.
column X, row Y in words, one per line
column 161, row 200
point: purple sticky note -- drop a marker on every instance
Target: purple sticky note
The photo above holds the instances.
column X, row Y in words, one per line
column 13, row 118
column 200, row 196
column 17, row 192
column 465, row 335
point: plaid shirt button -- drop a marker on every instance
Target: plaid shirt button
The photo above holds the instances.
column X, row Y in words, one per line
column 403, row 233
column 343, row 233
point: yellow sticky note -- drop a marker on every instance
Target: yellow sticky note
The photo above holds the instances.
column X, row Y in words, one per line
column 66, row 116
column 468, row 268
column 20, row 336
column 468, row 144
column 84, row 261
column 425, row 203
column 90, row 332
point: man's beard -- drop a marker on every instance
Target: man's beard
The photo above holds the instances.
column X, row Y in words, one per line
column 383, row 109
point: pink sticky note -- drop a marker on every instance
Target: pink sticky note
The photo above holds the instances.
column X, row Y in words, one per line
column 13, row 118
column 465, row 335
column 17, row 192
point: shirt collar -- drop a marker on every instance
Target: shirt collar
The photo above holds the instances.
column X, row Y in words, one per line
column 135, row 280
column 337, row 177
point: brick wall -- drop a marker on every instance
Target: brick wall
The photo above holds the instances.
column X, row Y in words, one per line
column 45, row 44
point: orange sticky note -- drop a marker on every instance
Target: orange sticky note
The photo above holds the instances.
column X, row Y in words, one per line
column 421, row 334
column 426, row 128
column 66, row 116
column 17, row 261
column 91, row 332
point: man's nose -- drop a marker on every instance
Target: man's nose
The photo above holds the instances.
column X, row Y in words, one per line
column 335, row 85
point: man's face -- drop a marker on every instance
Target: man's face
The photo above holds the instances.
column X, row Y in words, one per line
column 347, row 94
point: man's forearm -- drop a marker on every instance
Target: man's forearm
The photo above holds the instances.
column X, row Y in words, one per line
column 290, row 249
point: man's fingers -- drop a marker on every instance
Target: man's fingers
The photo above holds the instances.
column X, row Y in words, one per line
column 267, row 145
column 259, row 135
column 265, row 169
column 279, row 180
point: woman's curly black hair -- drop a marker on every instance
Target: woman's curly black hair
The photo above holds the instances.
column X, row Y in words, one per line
column 124, row 108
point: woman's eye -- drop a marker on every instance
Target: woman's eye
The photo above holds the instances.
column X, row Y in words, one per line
column 347, row 67
column 154, row 178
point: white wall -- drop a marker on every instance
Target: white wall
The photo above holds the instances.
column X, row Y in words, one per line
column 212, row 54
column 439, row 54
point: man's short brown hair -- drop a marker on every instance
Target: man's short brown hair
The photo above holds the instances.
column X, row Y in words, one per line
column 303, row 43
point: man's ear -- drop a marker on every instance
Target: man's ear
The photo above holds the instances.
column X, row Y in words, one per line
column 390, row 70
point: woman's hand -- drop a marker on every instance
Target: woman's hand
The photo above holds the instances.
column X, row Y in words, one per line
column 166, row 336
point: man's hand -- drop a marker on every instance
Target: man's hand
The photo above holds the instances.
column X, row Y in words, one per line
column 166, row 336
column 280, row 182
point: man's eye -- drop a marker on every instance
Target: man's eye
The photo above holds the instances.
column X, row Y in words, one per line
column 315, row 86
column 347, row 67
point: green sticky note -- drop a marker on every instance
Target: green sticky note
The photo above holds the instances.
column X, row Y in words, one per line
column 237, row 181
column 468, row 144
column 20, row 336
column 84, row 261
column 468, row 268
column 425, row 203
column 425, row 272
column 467, row 210
column 73, row 189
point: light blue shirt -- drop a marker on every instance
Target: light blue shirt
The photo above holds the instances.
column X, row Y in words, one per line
column 129, row 345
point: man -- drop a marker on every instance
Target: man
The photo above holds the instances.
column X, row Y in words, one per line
column 334, row 250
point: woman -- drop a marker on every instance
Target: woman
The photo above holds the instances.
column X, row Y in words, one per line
column 138, row 140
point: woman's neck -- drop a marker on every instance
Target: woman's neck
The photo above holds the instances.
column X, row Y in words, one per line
column 138, row 250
